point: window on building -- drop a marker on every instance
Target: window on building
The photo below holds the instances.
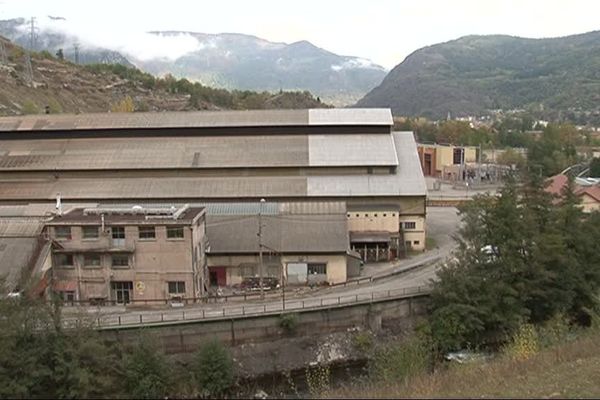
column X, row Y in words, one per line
column 91, row 260
column 317, row 268
column 375, row 215
column 90, row 232
column 174, row 232
column 147, row 232
column 357, row 215
column 348, row 215
column 410, row 225
column 416, row 242
column 118, row 232
column 62, row 232
column 67, row 295
column 393, row 214
column 367, row 215
column 64, row 260
column 408, row 244
column 458, row 156
column 384, row 214
column 177, row 287
column 120, row 260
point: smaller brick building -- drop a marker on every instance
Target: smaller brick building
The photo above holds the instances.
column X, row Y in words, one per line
column 128, row 254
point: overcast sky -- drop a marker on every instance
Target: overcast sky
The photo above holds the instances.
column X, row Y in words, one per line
column 385, row 31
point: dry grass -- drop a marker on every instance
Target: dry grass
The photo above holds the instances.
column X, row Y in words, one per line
column 567, row 370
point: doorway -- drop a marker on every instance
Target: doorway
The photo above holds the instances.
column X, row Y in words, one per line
column 121, row 292
column 217, row 276
column 427, row 162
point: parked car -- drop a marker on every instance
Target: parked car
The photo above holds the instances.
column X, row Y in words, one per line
column 253, row 283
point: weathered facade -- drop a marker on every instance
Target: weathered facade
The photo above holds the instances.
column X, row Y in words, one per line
column 302, row 243
column 122, row 255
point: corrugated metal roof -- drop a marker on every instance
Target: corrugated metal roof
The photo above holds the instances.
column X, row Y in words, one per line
column 19, row 245
column 38, row 210
column 156, row 188
column 409, row 173
column 286, row 234
column 198, row 119
column 351, row 150
column 133, row 153
column 199, row 152
column 213, row 188
column 313, row 208
column 350, row 116
column 20, row 227
column 15, row 255
column 408, row 179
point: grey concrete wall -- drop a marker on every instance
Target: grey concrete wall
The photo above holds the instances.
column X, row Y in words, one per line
column 186, row 337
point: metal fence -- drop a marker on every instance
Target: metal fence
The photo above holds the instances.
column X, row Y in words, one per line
column 248, row 310
column 254, row 295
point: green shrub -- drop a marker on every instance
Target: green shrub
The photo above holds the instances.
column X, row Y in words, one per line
column 213, row 369
column 553, row 331
column 400, row 361
column 363, row 341
column 147, row 371
column 289, row 322
column 29, row 107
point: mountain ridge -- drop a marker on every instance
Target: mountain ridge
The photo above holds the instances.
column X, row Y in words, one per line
column 476, row 73
column 58, row 86
column 233, row 61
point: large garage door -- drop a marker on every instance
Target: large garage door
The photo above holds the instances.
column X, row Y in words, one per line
column 297, row 273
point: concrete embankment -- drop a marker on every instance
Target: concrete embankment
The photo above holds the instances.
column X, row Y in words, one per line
column 262, row 345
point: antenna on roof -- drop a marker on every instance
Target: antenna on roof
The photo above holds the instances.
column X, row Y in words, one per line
column 58, row 204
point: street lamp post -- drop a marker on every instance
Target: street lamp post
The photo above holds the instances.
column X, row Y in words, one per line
column 260, row 253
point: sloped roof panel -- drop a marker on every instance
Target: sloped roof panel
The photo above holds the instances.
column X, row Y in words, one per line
column 286, row 234
column 351, row 150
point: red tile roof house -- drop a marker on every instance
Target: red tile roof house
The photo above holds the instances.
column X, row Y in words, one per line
column 589, row 195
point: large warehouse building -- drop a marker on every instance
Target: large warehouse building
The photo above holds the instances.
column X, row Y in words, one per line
column 322, row 155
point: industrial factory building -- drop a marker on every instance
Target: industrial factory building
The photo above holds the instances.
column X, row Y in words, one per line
column 346, row 157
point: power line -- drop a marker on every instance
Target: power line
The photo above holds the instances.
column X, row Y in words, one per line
column 28, row 66
column 32, row 34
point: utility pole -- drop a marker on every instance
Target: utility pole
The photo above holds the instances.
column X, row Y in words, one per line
column 260, row 250
column 76, row 51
